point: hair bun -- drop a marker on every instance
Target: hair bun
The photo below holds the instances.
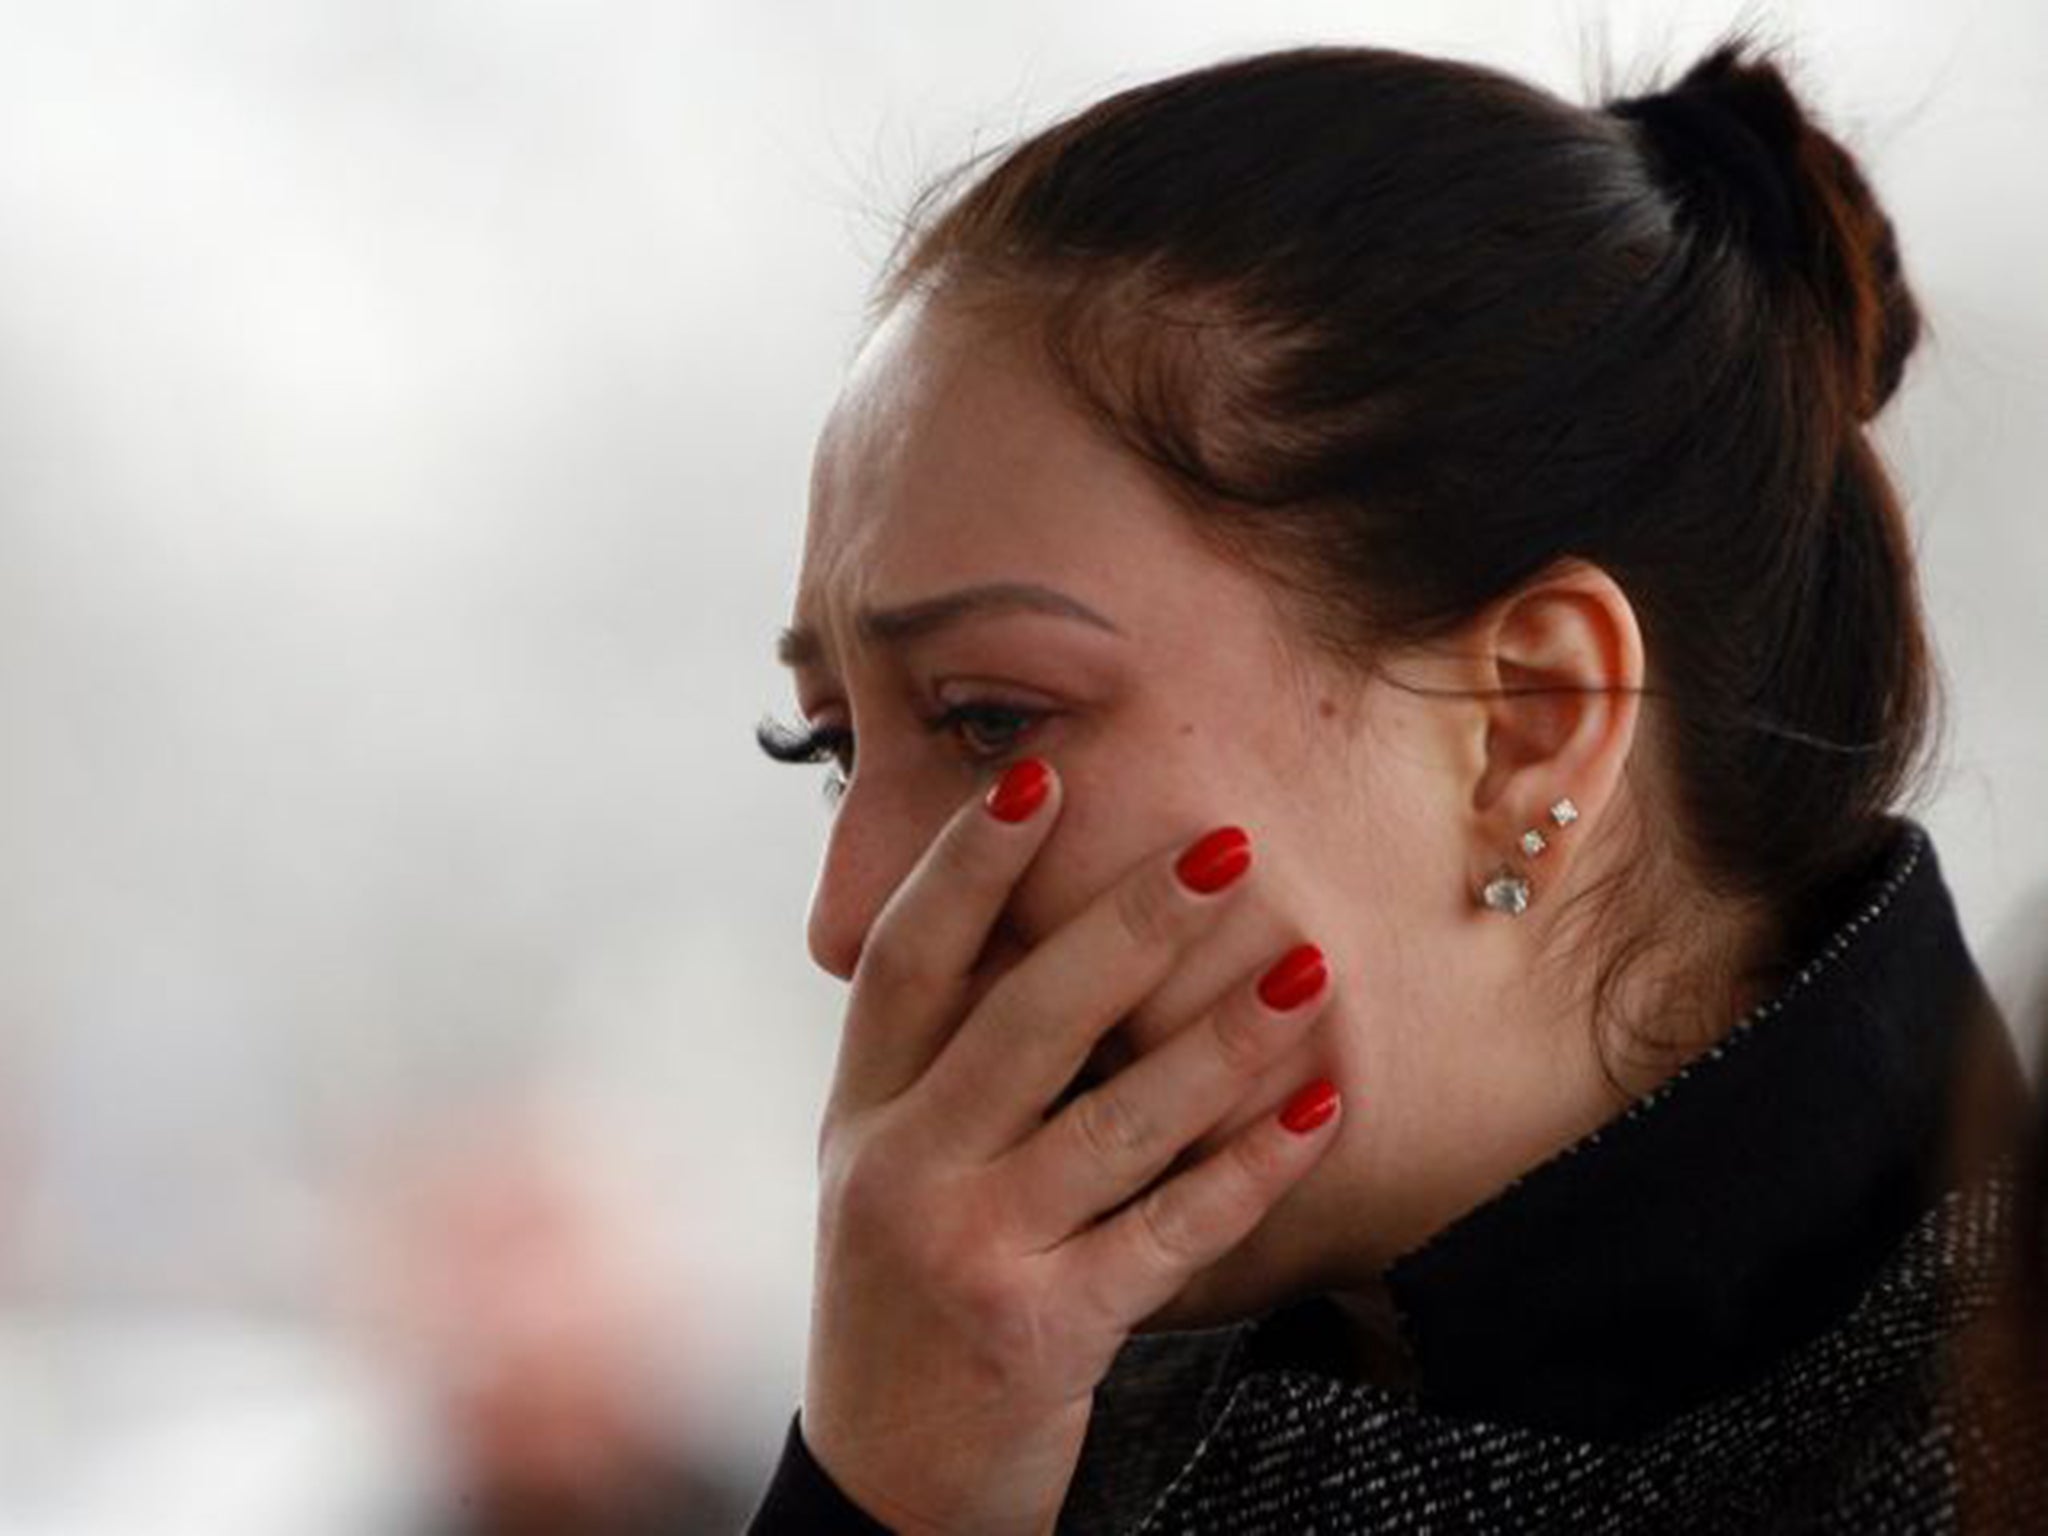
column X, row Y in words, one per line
column 1732, row 145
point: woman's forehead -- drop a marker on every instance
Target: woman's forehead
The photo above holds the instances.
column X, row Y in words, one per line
column 971, row 456
column 929, row 405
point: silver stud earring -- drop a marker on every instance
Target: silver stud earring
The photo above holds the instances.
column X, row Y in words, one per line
column 1508, row 891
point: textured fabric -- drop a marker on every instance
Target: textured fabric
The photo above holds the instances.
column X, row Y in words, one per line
column 1848, row 1435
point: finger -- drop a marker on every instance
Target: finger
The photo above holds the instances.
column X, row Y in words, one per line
column 1130, row 1265
column 909, row 984
column 1110, row 1142
column 1026, row 1038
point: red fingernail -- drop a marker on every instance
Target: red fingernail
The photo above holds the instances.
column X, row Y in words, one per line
column 1297, row 976
column 1216, row 860
column 1310, row 1107
column 1020, row 791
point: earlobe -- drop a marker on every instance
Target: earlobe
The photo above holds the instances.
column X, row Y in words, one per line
column 1511, row 888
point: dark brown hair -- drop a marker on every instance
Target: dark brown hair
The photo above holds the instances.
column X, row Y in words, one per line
column 1404, row 332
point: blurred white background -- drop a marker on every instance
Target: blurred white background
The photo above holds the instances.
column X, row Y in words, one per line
column 405, row 419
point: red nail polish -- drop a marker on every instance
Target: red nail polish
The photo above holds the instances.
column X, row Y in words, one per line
column 1219, row 858
column 1297, row 976
column 1310, row 1107
column 1020, row 791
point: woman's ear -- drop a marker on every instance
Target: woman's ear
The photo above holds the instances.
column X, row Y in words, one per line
column 1560, row 668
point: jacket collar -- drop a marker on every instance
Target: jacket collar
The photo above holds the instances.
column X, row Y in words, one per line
column 1730, row 1215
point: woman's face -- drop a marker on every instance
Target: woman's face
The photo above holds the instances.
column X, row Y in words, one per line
column 1155, row 675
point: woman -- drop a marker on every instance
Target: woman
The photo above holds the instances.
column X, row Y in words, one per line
column 1388, row 986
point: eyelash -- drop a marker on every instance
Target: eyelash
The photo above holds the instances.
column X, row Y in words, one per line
column 822, row 744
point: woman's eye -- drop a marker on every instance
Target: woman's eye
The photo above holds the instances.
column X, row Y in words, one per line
column 988, row 730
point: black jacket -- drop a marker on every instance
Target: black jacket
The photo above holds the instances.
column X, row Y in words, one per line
column 1736, row 1307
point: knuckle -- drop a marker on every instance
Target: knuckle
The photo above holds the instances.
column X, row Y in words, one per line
column 1258, row 1165
column 1146, row 909
column 1244, row 1043
column 986, row 1295
column 877, row 1187
column 861, row 1192
column 1164, row 1231
column 892, row 966
column 1111, row 1129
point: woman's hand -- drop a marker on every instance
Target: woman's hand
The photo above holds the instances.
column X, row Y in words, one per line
column 975, row 1275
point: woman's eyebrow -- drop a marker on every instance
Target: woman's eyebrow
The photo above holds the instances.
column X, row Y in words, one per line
column 800, row 646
